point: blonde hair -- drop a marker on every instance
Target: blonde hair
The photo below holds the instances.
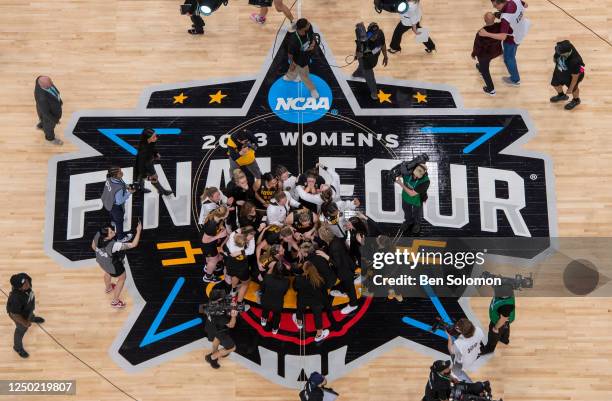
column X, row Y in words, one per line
column 312, row 274
column 218, row 213
column 237, row 174
column 326, row 234
column 286, row 231
column 208, row 192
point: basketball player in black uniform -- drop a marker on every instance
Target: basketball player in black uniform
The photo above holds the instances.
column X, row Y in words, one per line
column 214, row 234
column 266, row 190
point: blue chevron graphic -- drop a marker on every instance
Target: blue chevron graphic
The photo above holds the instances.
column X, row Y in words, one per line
column 113, row 135
column 152, row 335
column 487, row 133
column 441, row 311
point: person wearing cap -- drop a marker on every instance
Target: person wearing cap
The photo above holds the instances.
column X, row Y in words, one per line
column 569, row 71
column 110, row 255
column 501, row 314
column 439, row 383
column 414, row 194
column 144, row 166
column 48, row 107
column 367, row 54
column 20, row 307
column 485, row 50
column 313, row 390
column 115, row 194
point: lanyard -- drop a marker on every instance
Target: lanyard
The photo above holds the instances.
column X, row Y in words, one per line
column 300, row 40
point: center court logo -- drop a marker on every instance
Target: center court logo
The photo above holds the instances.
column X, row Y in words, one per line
column 291, row 101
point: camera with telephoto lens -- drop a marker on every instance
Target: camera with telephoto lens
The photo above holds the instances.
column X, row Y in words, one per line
column 440, row 324
column 517, row 282
column 405, row 168
column 134, row 186
column 479, row 391
column 223, row 307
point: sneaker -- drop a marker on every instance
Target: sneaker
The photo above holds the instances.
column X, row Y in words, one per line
column 211, row 278
column 109, row 290
column 39, row 126
column 22, row 353
column 393, row 51
column 510, row 82
column 373, row 96
column 194, row 32
column 57, row 142
column 314, row 94
column 257, row 19
column 275, row 331
column 348, row 309
column 559, row 97
column 488, row 92
column 430, row 50
column 264, row 321
column 128, row 237
column 297, row 322
column 478, row 67
column 38, row 319
column 118, row 304
column 337, row 293
column 323, row 336
column 213, row 362
column 573, row 103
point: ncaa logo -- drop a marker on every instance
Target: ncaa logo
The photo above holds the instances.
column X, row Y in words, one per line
column 291, row 101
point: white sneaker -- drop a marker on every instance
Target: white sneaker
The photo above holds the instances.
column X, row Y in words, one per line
column 314, row 94
column 275, row 331
column 323, row 336
column 264, row 321
column 127, row 238
column 348, row 309
column 297, row 323
column 336, row 293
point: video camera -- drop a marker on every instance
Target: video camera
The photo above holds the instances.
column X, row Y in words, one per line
column 405, row 168
column 479, row 391
column 517, row 282
column 222, row 307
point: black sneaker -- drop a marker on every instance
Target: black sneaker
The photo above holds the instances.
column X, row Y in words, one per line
column 393, row 51
column 38, row 319
column 416, row 228
column 39, row 126
column 194, row 32
column 478, row 67
column 213, row 362
column 559, row 97
column 210, row 278
column 490, row 92
column 573, row 103
column 22, row 353
column 430, row 50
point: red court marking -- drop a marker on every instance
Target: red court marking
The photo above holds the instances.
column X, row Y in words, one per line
column 287, row 324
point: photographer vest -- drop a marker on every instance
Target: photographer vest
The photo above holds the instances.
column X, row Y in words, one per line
column 105, row 256
column 413, row 183
column 518, row 22
column 496, row 303
column 110, row 189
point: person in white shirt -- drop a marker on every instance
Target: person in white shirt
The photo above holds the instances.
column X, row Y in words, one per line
column 211, row 199
column 465, row 349
column 409, row 20
column 287, row 180
column 239, row 246
column 278, row 209
column 328, row 192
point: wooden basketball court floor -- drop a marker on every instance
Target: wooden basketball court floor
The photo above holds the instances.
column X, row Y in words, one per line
column 102, row 54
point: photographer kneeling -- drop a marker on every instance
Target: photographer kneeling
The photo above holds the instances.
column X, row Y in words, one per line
column 441, row 385
column 370, row 43
column 218, row 322
column 414, row 194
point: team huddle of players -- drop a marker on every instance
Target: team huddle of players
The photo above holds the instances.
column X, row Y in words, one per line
column 270, row 227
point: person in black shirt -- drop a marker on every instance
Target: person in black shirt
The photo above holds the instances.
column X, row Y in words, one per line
column 217, row 329
column 20, row 307
column 313, row 390
column 300, row 45
column 438, row 386
column 569, row 71
column 273, row 288
column 214, row 234
column 248, row 216
column 196, row 18
column 367, row 54
column 49, row 108
column 144, row 168
column 310, row 288
column 238, row 191
column 304, row 222
column 265, row 190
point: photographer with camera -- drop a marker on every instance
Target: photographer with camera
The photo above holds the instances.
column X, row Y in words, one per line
column 219, row 321
column 465, row 349
column 110, row 255
column 144, row 167
column 370, row 43
column 116, row 192
column 300, row 46
column 442, row 386
column 501, row 315
column 414, row 183
column 315, row 390
column 192, row 8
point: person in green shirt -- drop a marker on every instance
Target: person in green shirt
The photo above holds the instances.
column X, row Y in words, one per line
column 414, row 194
column 501, row 314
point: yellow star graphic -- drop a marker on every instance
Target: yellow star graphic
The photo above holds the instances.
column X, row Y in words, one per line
column 383, row 97
column 216, row 98
column 180, row 98
column 420, row 98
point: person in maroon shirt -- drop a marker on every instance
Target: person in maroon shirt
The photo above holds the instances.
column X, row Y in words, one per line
column 486, row 49
column 505, row 35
